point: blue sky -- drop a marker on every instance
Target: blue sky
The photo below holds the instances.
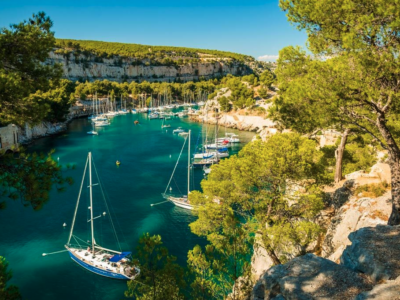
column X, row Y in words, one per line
column 256, row 28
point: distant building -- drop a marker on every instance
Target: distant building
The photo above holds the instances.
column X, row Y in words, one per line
column 9, row 137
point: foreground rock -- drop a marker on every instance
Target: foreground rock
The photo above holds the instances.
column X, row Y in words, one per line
column 388, row 290
column 354, row 214
column 375, row 251
column 310, row 277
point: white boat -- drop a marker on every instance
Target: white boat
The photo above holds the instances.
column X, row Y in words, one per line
column 211, row 154
column 92, row 256
column 182, row 114
column 207, row 170
column 153, row 116
column 178, row 130
column 111, row 114
column 101, row 123
column 183, row 133
column 183, row 200
column 217, row 146
column 232, row 138
column 204, row 155
column 93, row 132
column 134, row 111
column 165, row 125
column 206, row 162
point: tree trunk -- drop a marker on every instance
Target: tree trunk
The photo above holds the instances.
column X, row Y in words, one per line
column 339, row 155
column 394, row 163
column 270, row 252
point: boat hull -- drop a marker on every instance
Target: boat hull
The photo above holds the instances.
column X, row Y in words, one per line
column 179, row 202
column 97, row 270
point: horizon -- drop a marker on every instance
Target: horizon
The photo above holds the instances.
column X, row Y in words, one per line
column 211, row 25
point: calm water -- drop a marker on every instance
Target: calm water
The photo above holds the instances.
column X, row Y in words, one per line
column 147, row 155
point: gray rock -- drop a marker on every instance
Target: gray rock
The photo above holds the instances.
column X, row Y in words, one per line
column 388, row 290
column 356, row 213
column 375, row 251
column 310, row 277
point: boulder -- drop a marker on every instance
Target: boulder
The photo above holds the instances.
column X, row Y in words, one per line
column 260, row 261
column 375, row 251
column 388, row 290
column 356, row 213
column 310, row 277
column 382, row 171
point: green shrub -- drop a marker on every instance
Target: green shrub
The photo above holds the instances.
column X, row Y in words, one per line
column 372, row 190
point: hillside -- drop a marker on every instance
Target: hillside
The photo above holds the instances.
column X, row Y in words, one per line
column 109, row 49
column 91, row 60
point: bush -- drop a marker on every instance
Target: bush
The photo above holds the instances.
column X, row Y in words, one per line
column 372, row 190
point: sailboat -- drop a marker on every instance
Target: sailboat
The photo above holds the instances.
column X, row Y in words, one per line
column 123, row 111
column 165, row 125
column 93, row 132
column 95, row 258
column 182, row 201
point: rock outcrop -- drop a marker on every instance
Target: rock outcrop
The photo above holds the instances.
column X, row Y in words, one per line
column 41, row 130
column 310, row 277
column 126, row 69
column 375, row 251
column 369, row 269
column 390, row 290
column 354, row 214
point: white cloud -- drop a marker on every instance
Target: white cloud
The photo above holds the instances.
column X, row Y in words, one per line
column 268, row 57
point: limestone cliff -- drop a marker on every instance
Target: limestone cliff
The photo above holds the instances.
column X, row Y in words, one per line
column 82, row 67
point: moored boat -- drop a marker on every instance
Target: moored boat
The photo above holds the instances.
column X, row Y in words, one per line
column 95, row 258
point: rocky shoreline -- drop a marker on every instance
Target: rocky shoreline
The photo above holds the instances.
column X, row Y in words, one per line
column 251, row 123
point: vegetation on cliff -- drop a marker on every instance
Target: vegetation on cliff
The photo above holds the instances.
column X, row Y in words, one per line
column 24, row 78
column 357, row 87
column 161, row 54
column 30, row 91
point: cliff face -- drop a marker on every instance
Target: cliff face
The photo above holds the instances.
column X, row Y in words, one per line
column 127, row 69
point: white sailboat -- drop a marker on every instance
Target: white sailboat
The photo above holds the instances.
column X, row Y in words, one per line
column 93, row 132
column 95, row 258
column 182, row 201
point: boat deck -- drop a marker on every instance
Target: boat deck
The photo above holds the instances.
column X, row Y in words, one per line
column 101, row 260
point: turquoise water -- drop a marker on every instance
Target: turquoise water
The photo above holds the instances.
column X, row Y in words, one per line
column 147, row 154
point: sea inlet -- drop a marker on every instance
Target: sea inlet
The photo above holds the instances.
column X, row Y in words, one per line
column 148, row 154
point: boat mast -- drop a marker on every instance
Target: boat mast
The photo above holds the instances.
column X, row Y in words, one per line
column 189, row 165
column 91, row 199
column 77, row 203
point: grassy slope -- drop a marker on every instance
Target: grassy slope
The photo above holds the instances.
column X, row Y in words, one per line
column 108, row 49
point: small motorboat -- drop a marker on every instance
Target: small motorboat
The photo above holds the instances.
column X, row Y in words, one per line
column 136, row 122
column 178, row 130
column 183, row 133
column 166, row 126
column 93, row 132
column 117, row 163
